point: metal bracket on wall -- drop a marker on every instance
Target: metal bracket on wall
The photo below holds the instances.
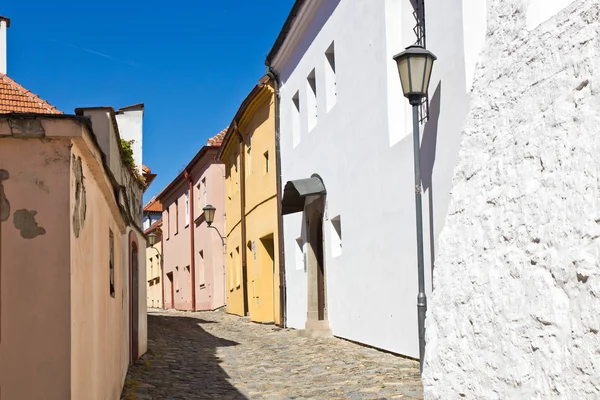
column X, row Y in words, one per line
column 419, row 30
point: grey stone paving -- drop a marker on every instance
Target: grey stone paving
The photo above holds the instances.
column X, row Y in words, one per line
column 213, row 355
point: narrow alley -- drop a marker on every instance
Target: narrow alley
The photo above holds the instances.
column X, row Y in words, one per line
column 213, row 355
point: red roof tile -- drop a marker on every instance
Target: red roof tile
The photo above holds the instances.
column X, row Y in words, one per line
column 14, row 98
column 218, row 139
column 153, row 206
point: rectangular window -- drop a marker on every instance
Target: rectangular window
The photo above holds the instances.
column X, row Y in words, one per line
column 237, row 175
column 176, row 216
column 296, row 119
column 230, row 274
column 266, row 161
column 238, row 268
column 229, row 180
column 111, row 263
column 168, row 222
column 187, row 208
column 299, row 253
column 330, row 78
column 311, row 100
column 336, row 236
column 249, row 157
column 202, row 276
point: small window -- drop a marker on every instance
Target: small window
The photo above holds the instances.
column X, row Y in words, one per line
column 299, row 253
column 266, row 161
column 238, row 268
column 249, row 155
column 296, row 119
column 111, row 263
column 330, row 78
column 187, row 208
column 202, row 275
column 176, row 216
column 204, row 200
column 311, row 101
column 168, row 222
column 231, row 271
column 336, row 236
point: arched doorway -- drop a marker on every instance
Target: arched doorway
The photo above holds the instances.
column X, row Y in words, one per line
column 317, row 322
column 308, row 196
column 134, row 306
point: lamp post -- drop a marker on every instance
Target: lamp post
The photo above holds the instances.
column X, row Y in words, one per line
column 152, row 242
column 209, row 215
column 414, row 68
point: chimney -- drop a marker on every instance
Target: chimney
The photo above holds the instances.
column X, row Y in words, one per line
column 4, row 25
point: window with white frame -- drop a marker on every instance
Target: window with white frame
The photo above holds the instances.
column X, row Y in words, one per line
column 295, row 109
column 249, row 155
column 311, row 100
column 336, row 236
column 330, row 78
column 299, row 253
column 202, row 275
column 187, row 208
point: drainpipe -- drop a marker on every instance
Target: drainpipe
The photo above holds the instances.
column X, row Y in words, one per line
column 242, row 180
column 162, row 270
column 281, row 247
column 192, row 247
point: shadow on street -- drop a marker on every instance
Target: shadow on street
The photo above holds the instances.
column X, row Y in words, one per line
column 181, row 363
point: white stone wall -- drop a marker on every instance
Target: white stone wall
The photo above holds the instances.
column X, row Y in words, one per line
column 515, row 311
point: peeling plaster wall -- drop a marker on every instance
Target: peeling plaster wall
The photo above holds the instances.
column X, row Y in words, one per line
column 34, row 268
column 515, row 309
column 96, row 322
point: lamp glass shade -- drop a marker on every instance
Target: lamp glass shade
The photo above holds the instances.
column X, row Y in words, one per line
column 414, row 67
column 152, row 238
column 209, row 214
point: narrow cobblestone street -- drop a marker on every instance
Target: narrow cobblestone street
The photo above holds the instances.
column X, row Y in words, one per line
column 213, row 355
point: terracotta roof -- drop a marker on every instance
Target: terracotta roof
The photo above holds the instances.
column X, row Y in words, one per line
column 146, row 169
column 14, row 98
column 153, row 205
column 218, row 139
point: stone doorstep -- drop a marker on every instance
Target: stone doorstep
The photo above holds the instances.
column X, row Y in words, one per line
column 316, row 329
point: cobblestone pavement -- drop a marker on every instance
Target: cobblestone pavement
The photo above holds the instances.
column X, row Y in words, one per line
column 213, row 355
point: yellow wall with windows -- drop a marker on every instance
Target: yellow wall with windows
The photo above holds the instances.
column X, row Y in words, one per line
column 257, row 128
column 153, row 276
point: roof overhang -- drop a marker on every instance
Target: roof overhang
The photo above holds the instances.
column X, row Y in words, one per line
column 295, row 193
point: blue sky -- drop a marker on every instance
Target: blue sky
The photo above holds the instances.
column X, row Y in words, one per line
column 190, row 62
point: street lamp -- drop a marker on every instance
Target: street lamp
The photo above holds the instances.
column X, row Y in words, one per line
column 414, row 68
column 209, row 215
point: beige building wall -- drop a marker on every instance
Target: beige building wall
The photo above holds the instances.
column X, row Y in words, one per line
column 96, row 324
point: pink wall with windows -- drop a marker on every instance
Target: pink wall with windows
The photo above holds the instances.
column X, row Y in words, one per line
column 207, row 177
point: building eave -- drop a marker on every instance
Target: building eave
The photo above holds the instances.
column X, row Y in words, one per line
column 294, row 27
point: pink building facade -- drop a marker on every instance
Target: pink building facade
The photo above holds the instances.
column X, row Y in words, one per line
column 193, row 253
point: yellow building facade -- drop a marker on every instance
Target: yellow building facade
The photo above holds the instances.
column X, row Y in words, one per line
column 252, row 261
